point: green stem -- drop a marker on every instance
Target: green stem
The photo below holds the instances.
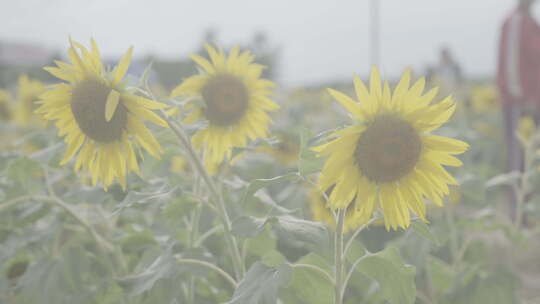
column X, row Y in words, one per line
column 55, row 201
column 211, row 266
column 238, row 265
column 351, row 271
column 104, row 245
column 454, row 246
column 522, row 189
column 338, row 257
column 355, row 234
column 194, row 235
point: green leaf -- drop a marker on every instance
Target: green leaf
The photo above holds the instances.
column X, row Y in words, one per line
column 472, row 187
column 44, row 156
column 261, row 284
column 137, row 240
column 308, row 162
column 423, row 230
column 510, row 178
column 498, row 288
column 162, row 267
column 313, row 235
column 258, row 184
column 248, row 226
column 311, row 286
column 24, row 171
column 261, row 244
column 441, row 275
column 396, row 279
column 273, row 258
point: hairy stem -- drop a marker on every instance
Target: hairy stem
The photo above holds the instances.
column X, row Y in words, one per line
column 211, row 266
column 238, row 265
column 338, row 257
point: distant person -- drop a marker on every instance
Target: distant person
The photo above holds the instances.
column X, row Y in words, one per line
column 518, row 77
column 448, row 74
column 266, row 54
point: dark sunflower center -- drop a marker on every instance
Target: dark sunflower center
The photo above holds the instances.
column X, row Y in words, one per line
column 88, row 101
column 388, row 149
column 226, row 99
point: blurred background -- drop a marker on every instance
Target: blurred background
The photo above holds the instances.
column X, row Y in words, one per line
column 483, row 252
column 307, row 42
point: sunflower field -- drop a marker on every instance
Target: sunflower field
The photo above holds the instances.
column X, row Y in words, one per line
column 117, row 187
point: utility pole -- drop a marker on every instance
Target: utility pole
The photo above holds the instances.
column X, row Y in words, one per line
column 375, row 32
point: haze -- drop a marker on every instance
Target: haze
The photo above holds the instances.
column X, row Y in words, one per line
column 320, row 40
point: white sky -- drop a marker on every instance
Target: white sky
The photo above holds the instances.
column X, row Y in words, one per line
column 320, row 40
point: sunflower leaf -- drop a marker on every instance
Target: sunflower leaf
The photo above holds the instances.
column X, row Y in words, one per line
column 308, row 162
column 396, row 280
column 248, row 226
column 261, row 284
column 312, row 287
column 258, row 184
column 313, row 235
column 423, row 230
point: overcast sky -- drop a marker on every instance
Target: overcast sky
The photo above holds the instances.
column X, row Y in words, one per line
column 320, row 40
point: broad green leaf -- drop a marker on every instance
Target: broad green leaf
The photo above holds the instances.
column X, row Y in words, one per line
column 163, row 267
column 44, row 156
column 509, row 178
column 25, row 171
column 273, row 258
column 308, row 162
column 248, row 226
column 440, row 275
column 261, row 284
column 313, row 235
column 137, row 240
column 423, row 230
column 261, row 244
column 311, row 286
column 258, row 184
column 498, row 288
column 396, row 280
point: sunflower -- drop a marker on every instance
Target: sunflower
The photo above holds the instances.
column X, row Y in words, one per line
column 235, row 102
column 102, row 122
column 285, row 151
column 321, row 213
column 484, row 98
column 526, row 129
column 28, row 91
column 5, row 110
column 387, row 156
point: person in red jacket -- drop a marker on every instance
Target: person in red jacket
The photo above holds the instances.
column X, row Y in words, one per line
column 518, row 76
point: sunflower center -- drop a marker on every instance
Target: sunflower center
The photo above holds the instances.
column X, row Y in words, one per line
column 388, row 149
column 88, row 101
column 226, row 99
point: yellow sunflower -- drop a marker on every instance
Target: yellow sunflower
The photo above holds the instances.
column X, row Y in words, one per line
column 387, row 156
column 28, row 91
column 285, row 151
column 526, row 129
column 320, row 212
column 5, row 109
column 484, row 98
column 235, row 102
column 102, row 122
